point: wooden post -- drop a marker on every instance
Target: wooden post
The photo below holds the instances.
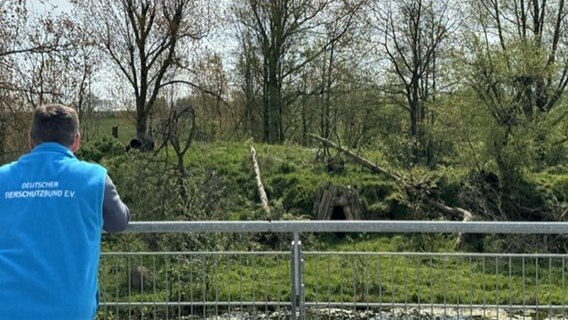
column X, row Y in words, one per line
column 115, row 131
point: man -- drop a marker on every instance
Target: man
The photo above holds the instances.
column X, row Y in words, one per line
column 53, row 208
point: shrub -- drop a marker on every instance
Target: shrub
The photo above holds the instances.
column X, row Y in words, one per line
column 99, row 148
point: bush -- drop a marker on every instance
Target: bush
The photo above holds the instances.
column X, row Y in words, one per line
column 296, row 190
column 99, row 148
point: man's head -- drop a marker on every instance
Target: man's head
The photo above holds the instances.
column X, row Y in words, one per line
column 55, row 123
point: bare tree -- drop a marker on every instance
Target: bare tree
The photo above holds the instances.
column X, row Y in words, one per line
column 412, row 34
column 211, row 88
column 334, row 64
column 63, row 75
column 25, row 39
column 282, row 31
column 43, row 58
column 249, row 85
column 15, row 28
column 144, row 40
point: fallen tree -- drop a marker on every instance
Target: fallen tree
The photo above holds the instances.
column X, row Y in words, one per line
column 449, row 211
column 260, row 186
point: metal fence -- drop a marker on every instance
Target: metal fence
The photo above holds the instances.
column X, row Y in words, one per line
column 308, row 284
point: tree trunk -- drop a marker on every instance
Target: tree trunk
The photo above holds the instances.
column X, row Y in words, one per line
column 141, row 125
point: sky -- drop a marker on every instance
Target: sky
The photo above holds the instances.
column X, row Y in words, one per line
column 42, row 6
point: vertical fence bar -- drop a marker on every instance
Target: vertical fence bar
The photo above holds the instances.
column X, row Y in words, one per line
column 129, row 289
column 550, row 285
column 103, row 296
column 179, row 286
column 293, row 302
column 116, row 277
column 301, row 281
column 537, row 284
column 228, row 267
column 203, row 284
column 329, row 262
column 497, row 285
column 564, row 314
column 484, row 289
column 154, row 306
column 168, row 287
column 297, row 299
column 524, row 279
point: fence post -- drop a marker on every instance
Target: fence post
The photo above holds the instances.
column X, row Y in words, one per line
column 115, row 132
column 297, row 262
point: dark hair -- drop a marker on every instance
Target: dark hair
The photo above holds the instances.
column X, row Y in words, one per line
column 54, row 123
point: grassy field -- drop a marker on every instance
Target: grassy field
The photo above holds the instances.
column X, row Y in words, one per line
column 101, row 126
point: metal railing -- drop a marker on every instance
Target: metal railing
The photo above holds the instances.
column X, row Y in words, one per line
column 300, row 284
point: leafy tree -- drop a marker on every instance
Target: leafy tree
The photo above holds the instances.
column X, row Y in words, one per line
column 337, row 99
column 338, row 64
column 517, row 66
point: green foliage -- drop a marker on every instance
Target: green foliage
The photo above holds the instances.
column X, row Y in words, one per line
column 99, row 148
column 552, row 186
column 449, row 184
column 220, row 183
column 480, row 144
column 555, row 183
column 297, row 190
column 155, row 190
column 497, row 122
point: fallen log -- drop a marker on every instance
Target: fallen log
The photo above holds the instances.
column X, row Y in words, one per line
column 454, row 212
column 357, row 158
column 260, row 186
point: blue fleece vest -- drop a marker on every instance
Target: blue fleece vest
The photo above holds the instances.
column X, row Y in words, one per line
column 50, row 234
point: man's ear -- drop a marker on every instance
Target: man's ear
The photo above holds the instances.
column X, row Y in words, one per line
column 76, row 143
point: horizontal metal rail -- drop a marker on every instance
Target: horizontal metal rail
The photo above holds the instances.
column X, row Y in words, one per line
column 332, row 253
column 463, row 306
column 483, row 227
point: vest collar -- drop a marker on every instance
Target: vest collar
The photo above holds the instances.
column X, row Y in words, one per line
column 52, row 147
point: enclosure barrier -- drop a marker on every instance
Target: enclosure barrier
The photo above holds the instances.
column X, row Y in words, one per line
column 362, row 284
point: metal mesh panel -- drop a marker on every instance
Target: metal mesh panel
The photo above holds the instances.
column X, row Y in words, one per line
column 432, row 284
column 169, row 285
column 308, row 284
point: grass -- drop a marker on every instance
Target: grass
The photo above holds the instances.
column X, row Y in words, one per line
column 101, row 126
column 291, row 176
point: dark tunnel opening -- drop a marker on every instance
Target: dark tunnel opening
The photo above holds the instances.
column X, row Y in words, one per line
column 338, row 213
